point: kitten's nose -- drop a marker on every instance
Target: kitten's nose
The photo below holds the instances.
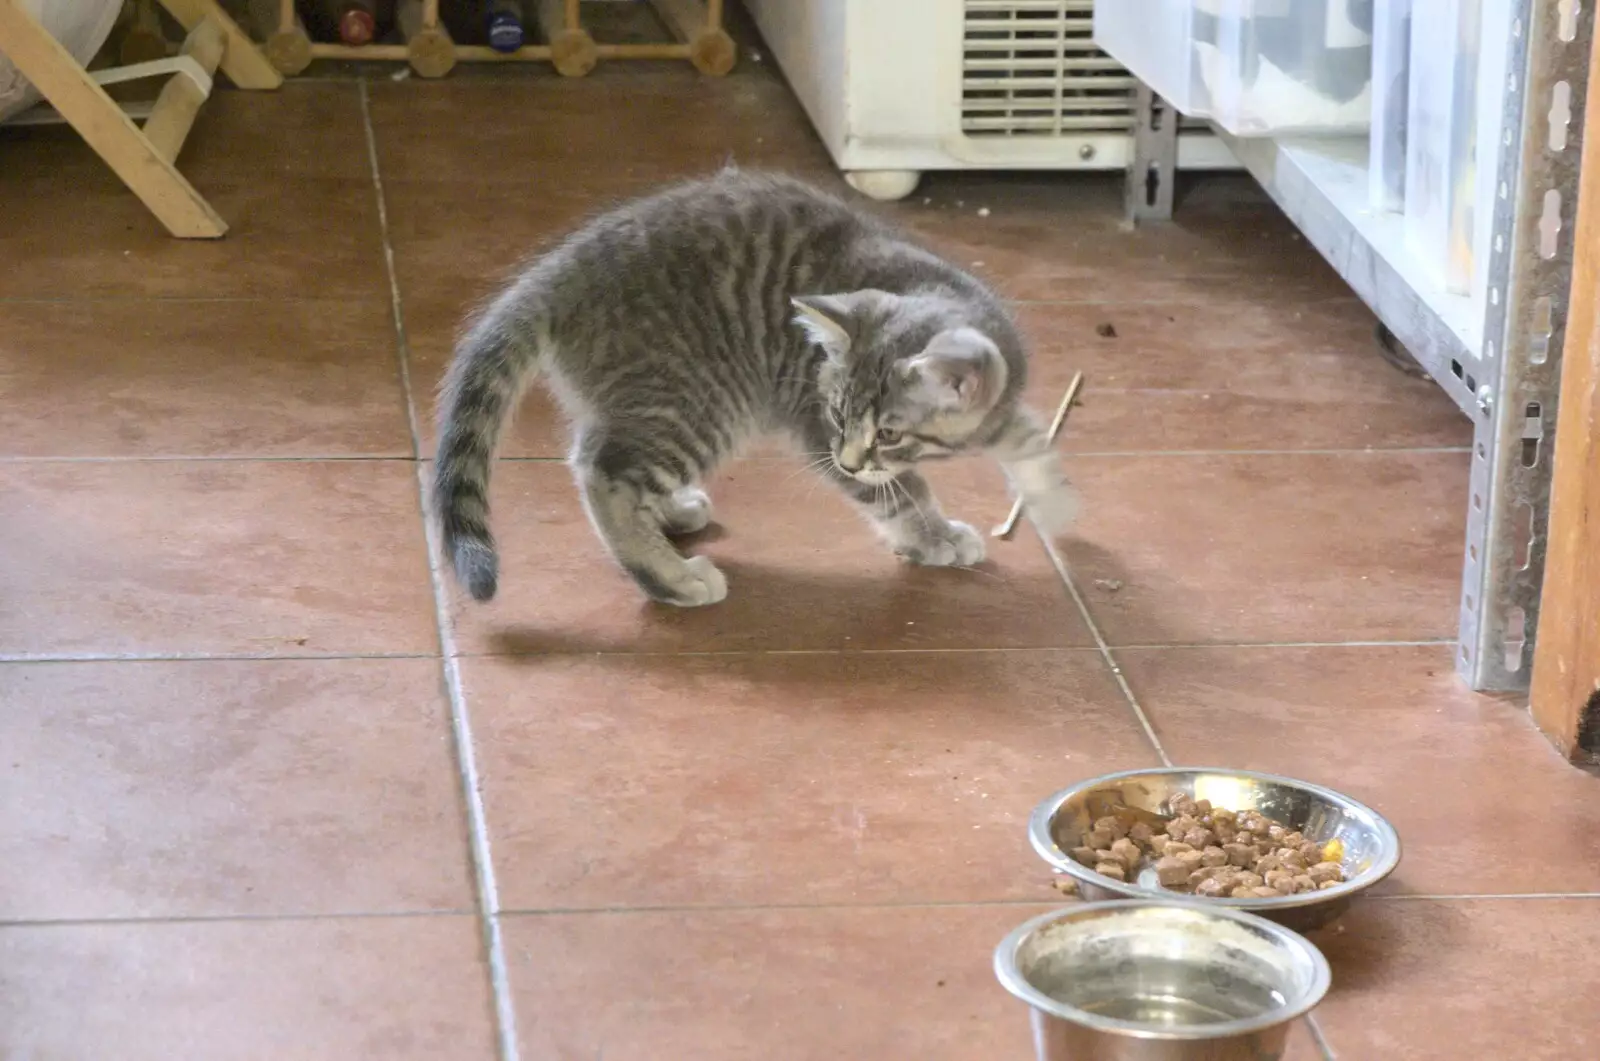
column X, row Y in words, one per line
column 851, row 458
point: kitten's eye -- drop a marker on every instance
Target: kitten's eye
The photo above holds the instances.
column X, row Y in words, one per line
column 888, row 436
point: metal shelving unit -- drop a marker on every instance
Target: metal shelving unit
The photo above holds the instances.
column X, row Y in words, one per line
column 1500, row 362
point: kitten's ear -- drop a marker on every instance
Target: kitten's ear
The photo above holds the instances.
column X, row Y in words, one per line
column 960, row 370
column 826, row 321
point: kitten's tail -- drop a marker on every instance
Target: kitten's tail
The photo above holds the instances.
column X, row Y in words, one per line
column 494, row 362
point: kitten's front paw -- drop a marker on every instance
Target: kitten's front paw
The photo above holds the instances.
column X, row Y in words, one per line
column 695, row 584
column 953, row 545
column 706, row 584
column 1054, row 511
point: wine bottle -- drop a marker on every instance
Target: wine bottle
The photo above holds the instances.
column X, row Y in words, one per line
column 352, row 22
column 503, row 24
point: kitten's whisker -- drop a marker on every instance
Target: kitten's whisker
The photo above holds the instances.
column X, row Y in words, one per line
column 819, row 464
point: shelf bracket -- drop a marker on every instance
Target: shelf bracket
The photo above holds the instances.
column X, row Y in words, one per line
column 1519, row 365
column 1154, row 166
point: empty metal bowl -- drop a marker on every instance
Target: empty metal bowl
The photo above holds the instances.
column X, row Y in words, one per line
column 1371, row 846
column 1160, row 980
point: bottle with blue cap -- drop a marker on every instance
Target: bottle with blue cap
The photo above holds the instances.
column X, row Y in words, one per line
column 503, row 23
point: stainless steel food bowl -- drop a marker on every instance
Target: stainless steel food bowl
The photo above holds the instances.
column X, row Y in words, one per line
column 1160, row 980
column 1371, row 846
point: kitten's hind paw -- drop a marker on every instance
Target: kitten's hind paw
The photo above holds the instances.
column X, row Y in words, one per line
column 953, row 545
column 687, row 511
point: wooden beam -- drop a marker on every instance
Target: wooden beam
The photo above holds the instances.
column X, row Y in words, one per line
column 98, row 119
column 1565, row 696
column 244, row 63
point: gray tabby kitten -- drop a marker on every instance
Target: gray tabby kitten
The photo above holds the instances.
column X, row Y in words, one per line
column 678, row 326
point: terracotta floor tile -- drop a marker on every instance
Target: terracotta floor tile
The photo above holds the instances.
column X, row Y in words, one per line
column 796, row 985
column 620, row 781
column 304, row 129
column 677, row 125
column 1271, row 548
column 1233, row 373
column 119, row 378
column 804, row 572
column 321, row 240
column 218, row 557
column 213, row 788
column 408, row 989
column 792, row 985
column 1394, row 727
column 1429, row 981
column 1059, row 236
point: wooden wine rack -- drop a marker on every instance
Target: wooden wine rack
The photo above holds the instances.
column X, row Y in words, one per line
column 428, row 48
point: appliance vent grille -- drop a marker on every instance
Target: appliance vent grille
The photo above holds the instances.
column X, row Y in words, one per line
column 1029, row 68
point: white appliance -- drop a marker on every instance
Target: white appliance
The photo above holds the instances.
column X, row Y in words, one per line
column 899, row 87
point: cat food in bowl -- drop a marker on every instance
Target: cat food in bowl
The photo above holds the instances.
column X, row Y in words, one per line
column 1291, row 851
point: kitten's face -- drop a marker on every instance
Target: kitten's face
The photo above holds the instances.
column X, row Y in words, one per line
column 897, row 387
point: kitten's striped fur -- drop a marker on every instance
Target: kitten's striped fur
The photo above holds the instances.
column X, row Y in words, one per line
column 675, row 327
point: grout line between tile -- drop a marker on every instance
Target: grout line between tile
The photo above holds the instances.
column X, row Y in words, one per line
column 713, row 653
column 74, row 300
column 54, row 300
column 177, row 458
column 1319, row 300
column 1155, row 645
column 461, row 725
column 221, row 657
column 403, row 458
column 1100, row 642
column 1466, row 897
column 756, row 908
column 1351, row 451
column 675, row 908
column 214, row 919
column 40, row 658
column 1319, row 1038
column 592, row 653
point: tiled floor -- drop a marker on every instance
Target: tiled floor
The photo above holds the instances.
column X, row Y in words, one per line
column 250, row 810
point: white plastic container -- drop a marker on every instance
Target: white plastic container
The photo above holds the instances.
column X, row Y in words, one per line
column 1391, row 72
column 1492, row 93
column 1441, row 134
column 1255, row 67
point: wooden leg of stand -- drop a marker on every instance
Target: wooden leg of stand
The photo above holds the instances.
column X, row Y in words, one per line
column 428, row 44
column 699, row 24
column 242, row 61
column 572, row 50
column 142, row 40
column 98, row 119
column 175, row 110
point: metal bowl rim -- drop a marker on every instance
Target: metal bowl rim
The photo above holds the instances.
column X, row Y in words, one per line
column 1044, row 842
column 1011, row 978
